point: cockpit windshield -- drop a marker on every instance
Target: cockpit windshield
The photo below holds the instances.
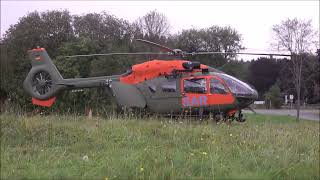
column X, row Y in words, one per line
column 236, row 86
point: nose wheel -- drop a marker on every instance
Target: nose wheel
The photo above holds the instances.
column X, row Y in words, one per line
column 240, row 117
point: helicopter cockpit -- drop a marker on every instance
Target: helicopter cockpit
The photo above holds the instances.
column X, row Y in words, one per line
column 237, row 87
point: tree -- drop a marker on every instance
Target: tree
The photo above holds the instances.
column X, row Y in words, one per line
column 273, row 96
column 110, row 32
column 311, row 83
column 154, row 25
column 47, row 29
column 229, row 39
column 285, row 78
column 263, row 73
column 214, row 38
column 297, row 37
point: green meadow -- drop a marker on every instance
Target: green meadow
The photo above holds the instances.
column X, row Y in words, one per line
column 73, row 147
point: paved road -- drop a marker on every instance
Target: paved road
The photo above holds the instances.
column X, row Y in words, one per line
column 310, row 114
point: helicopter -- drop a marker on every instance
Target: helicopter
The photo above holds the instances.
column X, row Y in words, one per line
column 173, row 86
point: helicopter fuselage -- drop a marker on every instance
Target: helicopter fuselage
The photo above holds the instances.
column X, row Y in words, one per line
column 168, row 87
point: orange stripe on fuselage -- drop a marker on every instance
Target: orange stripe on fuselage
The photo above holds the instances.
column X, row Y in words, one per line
column 152, row 69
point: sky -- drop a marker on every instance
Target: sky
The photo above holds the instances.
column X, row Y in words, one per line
column 252, row 19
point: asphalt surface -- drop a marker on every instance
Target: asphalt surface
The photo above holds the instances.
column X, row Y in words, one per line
column 309, row 114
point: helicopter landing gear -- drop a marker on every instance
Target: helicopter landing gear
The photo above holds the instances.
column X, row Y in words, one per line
column 240, row 117
column 232, row 117
column 201, row 114
column 221, row 118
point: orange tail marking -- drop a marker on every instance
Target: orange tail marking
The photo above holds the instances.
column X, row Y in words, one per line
column 45, row 103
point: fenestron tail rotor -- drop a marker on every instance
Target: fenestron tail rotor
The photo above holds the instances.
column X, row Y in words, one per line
column 41, row 82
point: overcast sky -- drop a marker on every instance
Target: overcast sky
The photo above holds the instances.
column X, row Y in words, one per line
column 252, row 19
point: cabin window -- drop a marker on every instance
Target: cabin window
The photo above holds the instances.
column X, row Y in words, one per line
column 169, row 86
column 216, row 87
column 153, row 88
column 196, row 85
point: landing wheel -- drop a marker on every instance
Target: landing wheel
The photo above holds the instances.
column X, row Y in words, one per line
column 232, row 117
column 221, row 118
column 201, row 114
column 240, row 117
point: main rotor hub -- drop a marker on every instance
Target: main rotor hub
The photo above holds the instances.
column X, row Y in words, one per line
column 178, row 51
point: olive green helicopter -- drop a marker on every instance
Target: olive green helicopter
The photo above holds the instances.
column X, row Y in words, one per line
column 173, row 87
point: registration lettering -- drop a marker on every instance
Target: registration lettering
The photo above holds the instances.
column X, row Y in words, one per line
column 194, row 101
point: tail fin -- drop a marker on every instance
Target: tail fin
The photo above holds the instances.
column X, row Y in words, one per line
column 42, row 80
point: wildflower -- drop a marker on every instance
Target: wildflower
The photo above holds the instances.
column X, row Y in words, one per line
column 201, row 139
column 141, row 169
column 106, row 178
column 204, row 153
column 85, row 158
column 230, row 135
column 191, row 154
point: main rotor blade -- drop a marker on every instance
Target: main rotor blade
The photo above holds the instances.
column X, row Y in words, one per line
column 262, row 54
column 113, row 54
column 156, row 44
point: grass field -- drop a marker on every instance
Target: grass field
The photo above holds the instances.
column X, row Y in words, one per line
column 265, row 147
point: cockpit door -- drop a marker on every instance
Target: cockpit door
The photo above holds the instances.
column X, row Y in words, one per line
column 219, row 93
column 164, row 94
column 194, row 91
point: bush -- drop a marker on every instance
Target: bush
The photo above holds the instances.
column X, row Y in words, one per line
column 273, row 97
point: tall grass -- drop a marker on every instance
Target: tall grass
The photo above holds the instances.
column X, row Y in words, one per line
column 265, row 147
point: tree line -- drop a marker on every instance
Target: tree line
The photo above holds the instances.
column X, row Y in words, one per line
column 64, row 34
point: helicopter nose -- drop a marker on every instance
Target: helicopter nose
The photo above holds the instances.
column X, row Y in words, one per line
column 255, row 95
column 247, row 92
column 243, row 92
column 252, row 95
column 245, row 100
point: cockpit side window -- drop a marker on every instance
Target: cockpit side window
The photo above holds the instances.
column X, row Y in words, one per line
column 195, row 85
column 169, row 86
column 216, row 87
